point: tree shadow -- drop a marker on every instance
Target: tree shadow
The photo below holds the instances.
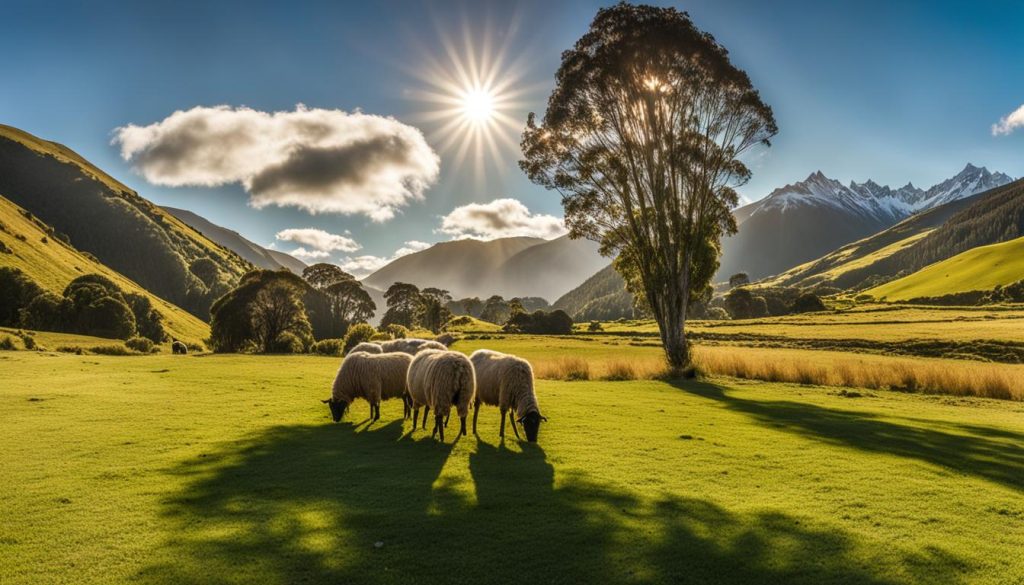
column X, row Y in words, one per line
column 330, row 504
column 980, row 455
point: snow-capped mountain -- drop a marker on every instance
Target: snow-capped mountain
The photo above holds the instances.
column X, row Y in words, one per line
column 804, row 220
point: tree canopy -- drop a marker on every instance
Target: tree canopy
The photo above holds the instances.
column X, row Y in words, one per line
column 642, row 138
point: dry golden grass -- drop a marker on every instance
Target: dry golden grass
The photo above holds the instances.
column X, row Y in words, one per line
column 929, row 376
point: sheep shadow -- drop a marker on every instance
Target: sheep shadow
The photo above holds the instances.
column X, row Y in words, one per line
column 337, row 504
column 983, row 453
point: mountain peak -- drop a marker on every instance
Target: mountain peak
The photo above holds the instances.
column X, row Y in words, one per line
column 971, row 168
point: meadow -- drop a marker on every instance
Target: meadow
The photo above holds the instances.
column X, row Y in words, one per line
column 227, row 469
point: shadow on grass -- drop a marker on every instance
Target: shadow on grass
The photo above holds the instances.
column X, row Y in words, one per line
column 981, row 455
column 327, row 504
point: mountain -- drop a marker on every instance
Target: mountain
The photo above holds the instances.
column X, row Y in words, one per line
column 978, row 269
column 602, row 297
column 941, row 232
column 30, row 245
column 254, row 253
column 805, row 220
column 101, row 216
column 510, row 267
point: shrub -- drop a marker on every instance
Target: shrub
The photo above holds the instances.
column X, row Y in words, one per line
column 357, row 334
column 28, row 340
column 7, row 343
column 566, row 368
column 808, row 303
column 376, row 337
column 395, row 330
column 113, row 349
column 329, row 346
column 70, row 349
column 286, row 342
column 195, row 347
column 595, row 326
column 139, row 344
column 4, row 249
column 717, row 314
column 557, row 322
column 16, row 292
column 618, row 371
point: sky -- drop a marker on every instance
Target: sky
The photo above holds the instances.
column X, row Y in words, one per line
column 344, row 132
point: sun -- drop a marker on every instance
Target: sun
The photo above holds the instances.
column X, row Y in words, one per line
column 472, row 99
column 478, row 105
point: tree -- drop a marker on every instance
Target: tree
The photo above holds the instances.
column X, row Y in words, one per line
column 205, row 270
column 405, row 305
column 808, row 303
column 322, row 275
column 471, row 306
column 642, row 137
column 739, row 279
column 434, row 313
column 277, row 310
column 495, row 310
column 350, row 302
column 16, row 292
column 515, row 306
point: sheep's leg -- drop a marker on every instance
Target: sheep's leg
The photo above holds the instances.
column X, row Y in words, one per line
column 512, row 421
column 376, row 411
column 501, row 433
column 446, row 417
column 406, row 406
column 438, row 424
column 415, row 417
column 371, row 410
column 476, row 412
column 462, row 431
column 426, row 410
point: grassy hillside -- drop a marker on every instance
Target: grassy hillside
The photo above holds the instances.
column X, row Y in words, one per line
column 602, row 297
column 116, row 470
column 981, row 268
column 53, row 264
column 101, row 216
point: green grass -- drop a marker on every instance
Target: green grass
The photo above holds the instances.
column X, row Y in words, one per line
column 54, row 264
column 981, row 268
column 226, row 469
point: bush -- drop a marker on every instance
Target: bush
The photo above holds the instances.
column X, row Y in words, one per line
column 808, row 303
column 557, row 322
column 28, row 340
column 378, row 337
column 139, row 344
column 595, row 326
column 195, row 347
column 329, row 346
column 357, row 334
column 16, row 292
column 395, row 330
column 46, row 312
column 7, row 343
column 113, row 349
column 286, row 343
column 717, row 314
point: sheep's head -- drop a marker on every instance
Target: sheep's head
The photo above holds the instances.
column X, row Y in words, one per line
column 531, row 424
column 337, row 408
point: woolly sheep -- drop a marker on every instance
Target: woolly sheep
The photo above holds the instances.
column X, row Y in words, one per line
column 440, row 380
column 410, row 346
column 367, row 347
column 372, row 377
column 179, row 347
column 506, row 381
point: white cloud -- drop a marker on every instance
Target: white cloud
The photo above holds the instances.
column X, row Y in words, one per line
column 360, row 266
column 1009, row 123
column 305, row 254
column 318, row 239
column 314, row 159
column 500, row 218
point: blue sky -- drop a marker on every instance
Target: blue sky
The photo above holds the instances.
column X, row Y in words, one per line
column 893, row 91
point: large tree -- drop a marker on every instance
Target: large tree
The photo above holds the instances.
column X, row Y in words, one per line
column 350, row 302
column 277, row 309
column 405, row 305
column 322, row 275
column 642, row 137
column 435, row 313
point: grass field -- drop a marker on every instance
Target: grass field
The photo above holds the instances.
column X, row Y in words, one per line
column 226, row 469
column 981, row 268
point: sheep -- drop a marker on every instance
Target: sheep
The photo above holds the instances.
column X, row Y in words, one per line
column 367, row 347
column 179, row 347
column 439, row 380
column 410, row 346
column 506, row 381
column 372, row 377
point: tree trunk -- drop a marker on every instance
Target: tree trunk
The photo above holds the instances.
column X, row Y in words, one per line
column 673, row 338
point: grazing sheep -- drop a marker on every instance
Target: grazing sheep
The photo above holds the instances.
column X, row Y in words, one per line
column 506, row 381
column 372, row 377
column 410, row 346
column 440, row 380
column 367, row 347
column 178, row 347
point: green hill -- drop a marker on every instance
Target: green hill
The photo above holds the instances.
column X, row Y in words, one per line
column 52, row 264
column 981, row 268
column 99, row 215
column 602, row 297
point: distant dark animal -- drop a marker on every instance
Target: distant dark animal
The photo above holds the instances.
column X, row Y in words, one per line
column 178, row 347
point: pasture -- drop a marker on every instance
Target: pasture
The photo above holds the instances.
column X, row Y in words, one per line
column 226, row 469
